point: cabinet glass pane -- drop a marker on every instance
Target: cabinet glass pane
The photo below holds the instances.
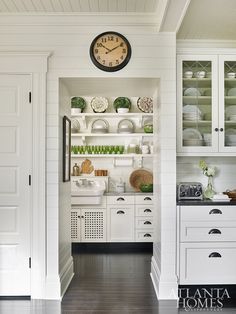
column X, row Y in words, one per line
column 197, row 103
column 230, row 103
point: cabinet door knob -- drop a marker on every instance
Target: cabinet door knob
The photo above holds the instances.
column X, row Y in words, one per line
column 216, row 129
column 221, row 129
column 214, row 231
column 214, row 254
column 120, row 199
column 119, row 212
column 78, row 216
column 215, row 211
column 147, row 210
column 82, row 216
column 147, row 235
column 147, row 222
column 147, row 198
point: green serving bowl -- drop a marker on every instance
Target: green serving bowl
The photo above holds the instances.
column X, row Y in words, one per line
column 146, row 188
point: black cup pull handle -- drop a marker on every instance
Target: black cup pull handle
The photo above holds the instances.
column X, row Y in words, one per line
column 214, row 254
column 215, row 211
column 147, row 235
column 119, row 212
column 221, row 129
column 120, row 199
column 147, row 198
column 214, row 231
column 147, row 222
column 147, row 210
column 216, row 129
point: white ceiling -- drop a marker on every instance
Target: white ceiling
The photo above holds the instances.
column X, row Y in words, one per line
column 209, row 19
column 77, row 6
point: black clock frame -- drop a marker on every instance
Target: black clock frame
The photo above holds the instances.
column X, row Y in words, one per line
column 106, row 68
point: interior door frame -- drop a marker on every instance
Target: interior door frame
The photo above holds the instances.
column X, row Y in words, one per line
column 35, row 65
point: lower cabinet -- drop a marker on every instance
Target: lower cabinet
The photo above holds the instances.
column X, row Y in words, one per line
column 88, row 225
column 120, row 218
column 207, row 244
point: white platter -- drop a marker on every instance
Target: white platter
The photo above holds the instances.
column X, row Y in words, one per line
column 191, row 133
column 191, row 109
column 192, row 91
column 99, row 104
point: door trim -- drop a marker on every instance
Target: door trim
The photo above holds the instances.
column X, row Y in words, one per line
column 35, row 65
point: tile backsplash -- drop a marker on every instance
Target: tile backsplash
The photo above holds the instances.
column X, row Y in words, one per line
column 188, row 170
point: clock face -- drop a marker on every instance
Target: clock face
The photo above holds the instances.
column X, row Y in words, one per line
column 110, row 51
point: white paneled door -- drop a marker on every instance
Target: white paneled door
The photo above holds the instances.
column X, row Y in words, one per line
column 15, row 199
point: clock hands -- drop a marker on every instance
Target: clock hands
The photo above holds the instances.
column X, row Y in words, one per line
column 110, row 50
column 106, row 48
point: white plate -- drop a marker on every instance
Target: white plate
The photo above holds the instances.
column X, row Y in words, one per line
column 99, row 104
column 191, row 109
column 232, row 91
column 145, row 104
column 231, row 110
column 192, row 91
column 191, row 133
column 75, row 125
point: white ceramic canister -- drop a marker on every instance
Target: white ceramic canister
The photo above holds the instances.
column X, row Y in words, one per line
column 120, row 186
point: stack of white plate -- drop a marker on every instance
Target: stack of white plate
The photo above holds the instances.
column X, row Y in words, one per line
column 230, row 137
column 230, row 113
column 192, row 113
column 207, row 139
column 232, row 117
column 192, row 137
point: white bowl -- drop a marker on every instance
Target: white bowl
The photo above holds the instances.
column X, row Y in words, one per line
column 230, row 75
column 188, row 74
column 200, row 74
column 123, row 110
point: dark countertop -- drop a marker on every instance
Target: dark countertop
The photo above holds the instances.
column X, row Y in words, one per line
column 203, row 203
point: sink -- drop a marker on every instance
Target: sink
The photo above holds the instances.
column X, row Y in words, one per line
column 87, row 192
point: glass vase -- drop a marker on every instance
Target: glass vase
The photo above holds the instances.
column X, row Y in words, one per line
column 209, row 191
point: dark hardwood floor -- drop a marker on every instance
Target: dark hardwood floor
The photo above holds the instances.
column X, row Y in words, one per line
column 111, row 283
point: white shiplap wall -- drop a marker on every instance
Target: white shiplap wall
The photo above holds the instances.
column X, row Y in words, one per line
column 153, row 56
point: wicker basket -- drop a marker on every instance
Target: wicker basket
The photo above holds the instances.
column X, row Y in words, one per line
column 140, row 176
column 231, row 194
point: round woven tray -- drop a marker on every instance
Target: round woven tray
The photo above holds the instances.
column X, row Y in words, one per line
column 140, row 176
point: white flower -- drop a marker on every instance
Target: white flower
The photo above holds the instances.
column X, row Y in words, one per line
column 210, row 172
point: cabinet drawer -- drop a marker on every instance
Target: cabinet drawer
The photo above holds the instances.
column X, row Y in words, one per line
column 207, row 231
column 207, row 263
column 207, row 213
column 142, row 210
column 120, row 199
column 144, row 223
column 144, row 199
column 144, row 236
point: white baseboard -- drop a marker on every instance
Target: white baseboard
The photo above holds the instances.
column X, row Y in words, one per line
column 66, row 275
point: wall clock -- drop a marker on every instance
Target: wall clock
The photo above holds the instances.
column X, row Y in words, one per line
column 110, row 51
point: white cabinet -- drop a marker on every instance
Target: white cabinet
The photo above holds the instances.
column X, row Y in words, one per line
column 207, row 236
column 144, row 223
column 88, row 224
column 206, row 104
column 121, row 218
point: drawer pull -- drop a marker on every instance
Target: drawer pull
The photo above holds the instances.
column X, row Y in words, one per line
column 120, row 199
column 214, row 231
column 147, row 222
column 147, row 235
column 147, row 210
column 214, row 254
column 147, row 198
column 119, row 212
column 215, row 211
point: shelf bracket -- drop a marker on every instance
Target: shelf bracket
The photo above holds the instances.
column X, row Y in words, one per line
column 140, row 162
column 83, row 140
column 84, row 122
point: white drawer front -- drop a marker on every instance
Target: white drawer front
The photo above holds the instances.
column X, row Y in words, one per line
column 144, row 199
column 120, row 199
column 207, row 213
column 144, row 223
column 142, row 210
column 207, row 231
column 206, row 263
column 144, row 236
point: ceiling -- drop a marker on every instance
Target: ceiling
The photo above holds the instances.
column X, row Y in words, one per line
column 209, row 19
column 78, row 6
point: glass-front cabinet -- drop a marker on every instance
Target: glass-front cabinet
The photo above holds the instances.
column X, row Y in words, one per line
column 227, row 100
column 206, row 104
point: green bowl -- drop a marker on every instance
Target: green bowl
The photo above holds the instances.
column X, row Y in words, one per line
column 146, row 188
column 148, row 128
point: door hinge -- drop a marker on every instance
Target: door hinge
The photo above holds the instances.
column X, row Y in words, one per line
column 29, row 262
column 30, row 97
column 29, row 179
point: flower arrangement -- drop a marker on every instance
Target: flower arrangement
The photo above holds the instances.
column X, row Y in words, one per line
column 209, row 172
